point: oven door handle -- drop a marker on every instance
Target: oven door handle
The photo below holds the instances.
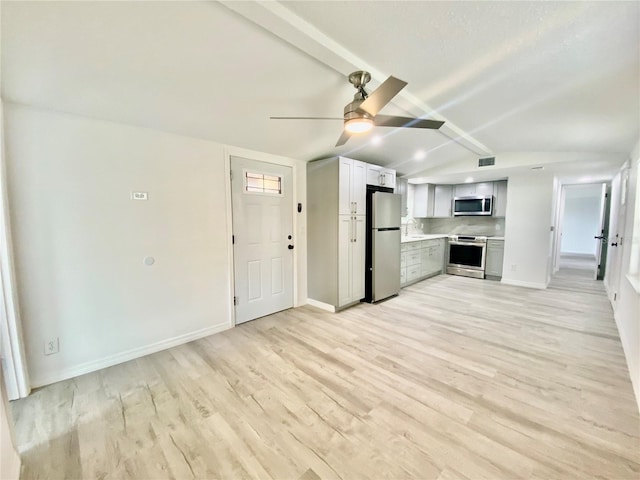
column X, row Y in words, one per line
column 473, row 244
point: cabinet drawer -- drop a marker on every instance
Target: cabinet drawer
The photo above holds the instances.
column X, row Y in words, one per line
column 413, row 273
column 430, row 243
column 404, row 247
column 403, row 259
column 413, row 258
column 413, row 246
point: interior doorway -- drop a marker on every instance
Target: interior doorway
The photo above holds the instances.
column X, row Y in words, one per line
column 263, row 243
column 583, row 228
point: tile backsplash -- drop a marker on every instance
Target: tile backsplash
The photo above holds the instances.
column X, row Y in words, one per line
column 490, row 226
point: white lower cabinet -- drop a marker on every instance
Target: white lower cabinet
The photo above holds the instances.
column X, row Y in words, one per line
column 351, row 258
column 421, row 259
column 495, row 258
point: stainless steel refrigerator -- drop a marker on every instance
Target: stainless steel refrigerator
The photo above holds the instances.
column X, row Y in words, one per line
column 383, row 245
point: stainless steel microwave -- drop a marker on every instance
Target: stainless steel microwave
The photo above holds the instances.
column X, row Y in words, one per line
column 480, row 205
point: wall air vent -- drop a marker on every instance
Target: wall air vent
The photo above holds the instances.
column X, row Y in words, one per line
column 487, row 162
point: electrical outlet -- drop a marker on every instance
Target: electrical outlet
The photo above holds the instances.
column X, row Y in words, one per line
column 514, row 267
column 52, row 346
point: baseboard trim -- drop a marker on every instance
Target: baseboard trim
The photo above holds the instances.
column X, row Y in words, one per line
column 321, row 305
column 111, row 360
column 519, row 283
column 590, row 256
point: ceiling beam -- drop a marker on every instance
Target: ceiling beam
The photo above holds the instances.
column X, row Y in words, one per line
column 282, row 22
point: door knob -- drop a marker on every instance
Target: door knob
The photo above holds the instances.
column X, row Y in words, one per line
column 614, row 244
column 600, row 237
column 290, row 247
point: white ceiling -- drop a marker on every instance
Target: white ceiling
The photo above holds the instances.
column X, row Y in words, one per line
column 505, row 76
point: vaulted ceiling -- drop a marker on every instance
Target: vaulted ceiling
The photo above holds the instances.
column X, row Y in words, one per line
column 526, row 76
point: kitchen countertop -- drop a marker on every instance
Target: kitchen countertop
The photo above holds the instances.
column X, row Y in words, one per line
column 496, row 238
column 418, row 238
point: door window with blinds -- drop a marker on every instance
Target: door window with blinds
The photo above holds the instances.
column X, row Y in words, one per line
column 262, row 183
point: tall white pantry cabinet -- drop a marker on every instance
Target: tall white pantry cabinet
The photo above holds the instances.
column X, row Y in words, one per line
column 336, row 220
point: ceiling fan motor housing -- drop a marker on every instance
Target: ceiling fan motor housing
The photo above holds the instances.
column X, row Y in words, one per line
column 351, row 111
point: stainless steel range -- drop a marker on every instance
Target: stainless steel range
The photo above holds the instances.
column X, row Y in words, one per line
column 467, row 255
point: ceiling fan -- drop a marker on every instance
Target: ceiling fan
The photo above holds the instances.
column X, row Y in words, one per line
column 361, row 115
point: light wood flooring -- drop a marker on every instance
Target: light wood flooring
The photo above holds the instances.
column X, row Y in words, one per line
column 455, row 378
column 578, row 262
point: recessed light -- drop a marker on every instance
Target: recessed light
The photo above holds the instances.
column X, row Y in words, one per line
column 420, row 155
column 468, row 180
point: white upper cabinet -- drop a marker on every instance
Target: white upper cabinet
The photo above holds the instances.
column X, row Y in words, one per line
column 485, row 188
column 432, row 200
column 402, row 190
column 443, row 195
column 380, row 176
column 352, row 184
column 421, row 200
column 474, row 189
column 500, row 204
column 437, row 200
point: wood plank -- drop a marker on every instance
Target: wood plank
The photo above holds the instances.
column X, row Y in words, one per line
column 454, row 378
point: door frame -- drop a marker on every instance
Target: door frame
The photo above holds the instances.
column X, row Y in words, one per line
column 298, row 169
column 560, row 218
column 12, row 349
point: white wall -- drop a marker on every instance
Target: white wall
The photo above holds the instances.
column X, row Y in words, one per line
column 624, row 297
column 581, row 221
column 527, row 234
column 80, row 240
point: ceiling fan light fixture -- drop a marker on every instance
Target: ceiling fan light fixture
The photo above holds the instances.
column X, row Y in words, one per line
column 358, row 125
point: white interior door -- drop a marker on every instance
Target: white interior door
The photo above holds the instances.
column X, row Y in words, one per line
column 602, row 236
column 262, row 202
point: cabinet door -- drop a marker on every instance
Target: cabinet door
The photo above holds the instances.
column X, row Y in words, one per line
column 424, row 261
column 352, row 187
column 420, row 200
column 438, row 254
column 464, row 190
column 484, row 188
column 345, row 180
column 345, row 237
column 359, row 187
column 500, row 205
column 495, row 256
column 401, row 189
column 436, row 258
column 442, row 201
column 374, row 174
column 388, row 177
column 357, row 258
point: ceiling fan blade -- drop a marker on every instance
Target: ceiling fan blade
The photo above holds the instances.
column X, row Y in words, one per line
column 307, row 118
column 382, row 95
column 406, row 122
column 343, row 138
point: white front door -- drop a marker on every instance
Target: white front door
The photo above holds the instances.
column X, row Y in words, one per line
column 262, row 202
